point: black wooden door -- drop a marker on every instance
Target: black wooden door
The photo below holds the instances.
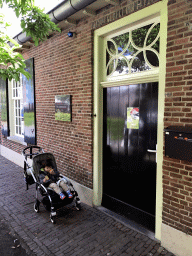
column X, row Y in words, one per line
column 129, row 169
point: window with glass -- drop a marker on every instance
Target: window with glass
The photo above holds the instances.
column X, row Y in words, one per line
column 18, row 107
column 19, row 113
column 135, row 51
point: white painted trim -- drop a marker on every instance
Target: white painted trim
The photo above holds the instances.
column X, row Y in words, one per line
column 115, row 56
column 176, row 241
column 144, row 77
column 158, row 9
column 18, row 139
column 85, row 194
column 11, row 109
column 13, row 156
column 161, row 106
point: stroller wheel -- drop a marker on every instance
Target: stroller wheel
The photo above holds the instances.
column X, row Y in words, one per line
column 78, row 206
column 36, row 207
column 52, row 218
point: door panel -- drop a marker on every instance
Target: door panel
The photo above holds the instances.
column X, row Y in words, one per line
column 129, row 170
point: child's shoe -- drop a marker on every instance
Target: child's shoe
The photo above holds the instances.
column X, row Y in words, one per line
column 69, row 194
column 62, row 196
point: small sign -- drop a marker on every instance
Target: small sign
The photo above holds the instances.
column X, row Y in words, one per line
column 63, row 108
column 133, row 118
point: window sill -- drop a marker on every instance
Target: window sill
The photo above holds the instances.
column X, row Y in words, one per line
column 17, row 139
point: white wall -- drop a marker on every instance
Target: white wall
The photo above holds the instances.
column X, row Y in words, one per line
column 176, row 241
column 13, row 156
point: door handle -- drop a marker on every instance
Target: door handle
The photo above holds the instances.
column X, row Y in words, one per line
column 153, row 151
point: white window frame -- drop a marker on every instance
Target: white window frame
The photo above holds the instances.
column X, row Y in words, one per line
column 17, row 103
column 153, row 71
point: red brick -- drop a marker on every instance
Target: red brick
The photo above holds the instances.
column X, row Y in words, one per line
column 184, row 192
column 179, row 94
column 179, row 206
column 171, row 69
column 174, row 175
column 177, row 185
column 179, row 104
column 186, row 109
column 181, row 62
column 187, row 99
column 177, row 195
column 184, row 212
column 63, row 66
column 182, row 52
column 170, row 64
column 188, row 67
column 189, row 115
column 174, row 48
column 178, row 114
column 189, row 168
column 183, row 172
column 182, row 40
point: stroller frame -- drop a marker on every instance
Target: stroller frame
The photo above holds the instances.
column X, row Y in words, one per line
column 51, row 200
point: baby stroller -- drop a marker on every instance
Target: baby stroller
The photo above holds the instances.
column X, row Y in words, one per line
column 45, row 195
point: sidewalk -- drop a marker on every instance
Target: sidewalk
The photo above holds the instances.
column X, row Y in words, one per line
column 9, row 242
column 88, row 232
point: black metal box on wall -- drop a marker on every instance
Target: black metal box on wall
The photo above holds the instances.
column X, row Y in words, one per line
column 178, row 142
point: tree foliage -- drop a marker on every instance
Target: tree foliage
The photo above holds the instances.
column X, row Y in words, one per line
column 20, row 7
column 12, row 62
column 35, row 23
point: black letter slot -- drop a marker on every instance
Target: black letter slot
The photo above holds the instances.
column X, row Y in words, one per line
column 178, row 142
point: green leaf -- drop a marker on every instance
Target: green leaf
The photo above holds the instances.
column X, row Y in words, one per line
column 35, row 23
column 22, row 24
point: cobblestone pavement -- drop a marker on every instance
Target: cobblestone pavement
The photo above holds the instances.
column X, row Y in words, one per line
column 88, row 232
column 9, row 242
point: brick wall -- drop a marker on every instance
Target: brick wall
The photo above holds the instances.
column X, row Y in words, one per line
column 65, row 66
column 177, row 175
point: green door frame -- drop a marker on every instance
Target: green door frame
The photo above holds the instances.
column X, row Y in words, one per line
column 159, row 9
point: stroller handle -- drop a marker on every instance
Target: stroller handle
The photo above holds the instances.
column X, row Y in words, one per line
column 31, row 150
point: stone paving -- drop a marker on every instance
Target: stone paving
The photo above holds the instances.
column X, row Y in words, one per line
column 88, row 232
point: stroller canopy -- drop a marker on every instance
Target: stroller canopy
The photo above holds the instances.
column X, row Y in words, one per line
column 38, row 162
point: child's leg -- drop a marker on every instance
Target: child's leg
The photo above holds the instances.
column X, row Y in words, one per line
column 57, row 190
column 65, row 188
column 63, row 185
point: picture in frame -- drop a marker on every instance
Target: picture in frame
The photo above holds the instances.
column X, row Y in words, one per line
column 63, row 108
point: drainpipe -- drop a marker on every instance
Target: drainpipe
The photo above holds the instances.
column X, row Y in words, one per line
column 59, row 13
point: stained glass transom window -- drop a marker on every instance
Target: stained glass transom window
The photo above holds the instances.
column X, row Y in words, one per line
column 134, row 51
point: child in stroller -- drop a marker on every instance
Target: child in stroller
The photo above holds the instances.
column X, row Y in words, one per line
column 35, row 173
column 50, row 178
